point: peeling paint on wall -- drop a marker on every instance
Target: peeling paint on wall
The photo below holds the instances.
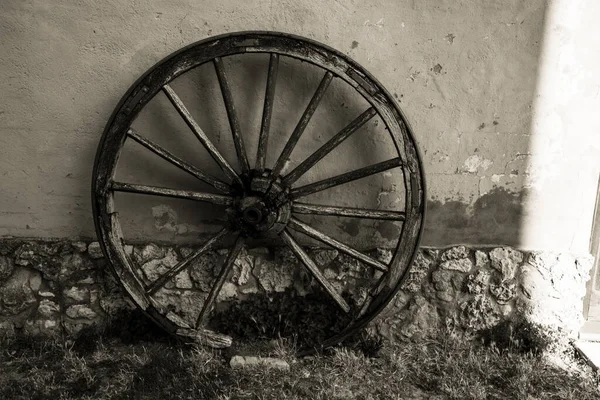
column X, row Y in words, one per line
column 475, row 164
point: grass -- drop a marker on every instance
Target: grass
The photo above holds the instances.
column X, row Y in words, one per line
column 109, row 367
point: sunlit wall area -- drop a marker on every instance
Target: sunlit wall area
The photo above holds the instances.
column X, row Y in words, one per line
column 565, row 132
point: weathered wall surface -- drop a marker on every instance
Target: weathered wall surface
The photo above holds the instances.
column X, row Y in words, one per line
column 464, row 72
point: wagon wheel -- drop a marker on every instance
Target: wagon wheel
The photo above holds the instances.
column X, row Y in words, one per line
column 260, row 200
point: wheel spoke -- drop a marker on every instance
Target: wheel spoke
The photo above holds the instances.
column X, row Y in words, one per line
column 304, row 120
column 168, row 192
column 345, row 178
column 301, row 227
column 208, row 245
column 261, row 153
column 314, row 270
column 329, row 146
column 238, row 141
column 179, row 163
column 216, row 288
column 305, row 208
column 193, row 125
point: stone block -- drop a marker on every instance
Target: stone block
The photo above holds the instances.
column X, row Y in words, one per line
column 76, row 294
column 504, row 291
column 242, row 268
column 477, row 282
column 48, row 309
column 417, row 273
column 324, row 257
column 461, row 264
column 204, row 269
column 81, row 311
column 455, row 253
column 506, row 261
column 183, row 281
column 482, row 260
column 95, row 251
column 383, row 255
column 258, row 362
column 143, row 254
column 273, row 276
column 227, row 292
column 155, row 268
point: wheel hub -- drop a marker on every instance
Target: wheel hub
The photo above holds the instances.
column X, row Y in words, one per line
column 262, row 209
column 253, row 215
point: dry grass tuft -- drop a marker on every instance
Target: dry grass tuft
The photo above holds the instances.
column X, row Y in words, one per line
column 444, row 369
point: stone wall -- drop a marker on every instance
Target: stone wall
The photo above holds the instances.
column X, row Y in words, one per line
column 470, row 289
column 54, row 288
column 58, row 288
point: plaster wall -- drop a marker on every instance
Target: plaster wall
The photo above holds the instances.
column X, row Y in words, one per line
column 465, row 73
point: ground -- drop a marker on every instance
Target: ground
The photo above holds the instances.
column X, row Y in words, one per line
column 152, row 366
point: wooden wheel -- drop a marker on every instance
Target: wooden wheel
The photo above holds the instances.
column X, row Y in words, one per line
column 260, row 200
